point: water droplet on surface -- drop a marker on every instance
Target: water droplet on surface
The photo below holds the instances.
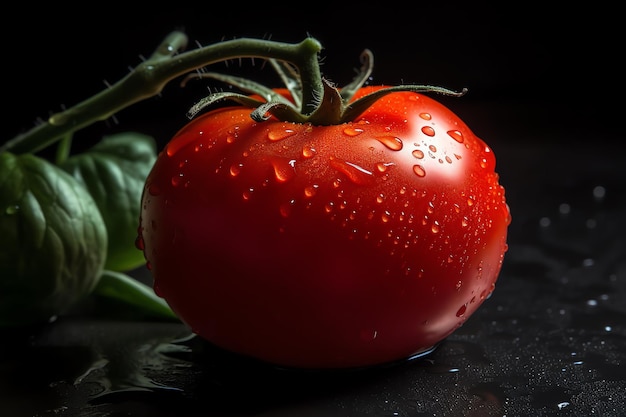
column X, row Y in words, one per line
column 352, row 131
column 176, row 180
column 308, row 151
column 419, row 170
column 285, row 209
column 418, row 154
column 355, row 173
column 381, row 167
column 284, row 169
column 391, row 142
column 456, row 135
column 461, row 311
column 280, row 134
column 310, row 190
column 235, row 169
column 599, row 193
column 139, row 243
column 154, row 190
column 428, row 131
column 426, row 116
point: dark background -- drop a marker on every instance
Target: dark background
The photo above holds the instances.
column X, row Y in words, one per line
column 560, row 67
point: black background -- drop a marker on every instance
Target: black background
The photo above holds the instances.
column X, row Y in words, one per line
column 560, row 66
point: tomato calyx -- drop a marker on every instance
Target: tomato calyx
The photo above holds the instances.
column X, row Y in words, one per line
column 335, row 106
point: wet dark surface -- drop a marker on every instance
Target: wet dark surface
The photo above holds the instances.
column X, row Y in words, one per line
column 550, row 340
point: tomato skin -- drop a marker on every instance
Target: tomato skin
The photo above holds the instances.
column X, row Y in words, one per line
column 326, row 246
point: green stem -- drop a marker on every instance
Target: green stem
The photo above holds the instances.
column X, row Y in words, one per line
column 63, row 149
column 165, row 64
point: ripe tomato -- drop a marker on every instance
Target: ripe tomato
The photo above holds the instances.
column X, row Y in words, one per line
column 334, row 246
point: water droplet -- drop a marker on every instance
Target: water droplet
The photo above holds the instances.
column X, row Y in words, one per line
column 139, row 243
column 176, row 179
column 599, row 192
column 433, row 149
column 385, row 216
column 280, row 134
column 419, row 170
column 391, row 142
column 428, row 131
column 368, row 335
column 380, row 198
column 456, row 135
column 435, row 227
column 355, row 173
column 284, row 168
column 461, row 311
column 247, row 195
column 285, row 209
column 352, row 131
column 310, row 190
column 426, row 116
column 235, row 169
column 418, row 154
column 381, row 167
column 154, row 190
column 308, row 151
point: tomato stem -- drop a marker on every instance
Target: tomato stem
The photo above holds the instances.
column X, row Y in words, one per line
column 166, row 63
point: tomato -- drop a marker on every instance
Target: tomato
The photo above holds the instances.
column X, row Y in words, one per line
column 337, row 246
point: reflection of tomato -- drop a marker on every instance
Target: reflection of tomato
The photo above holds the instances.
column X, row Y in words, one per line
column 326, row 246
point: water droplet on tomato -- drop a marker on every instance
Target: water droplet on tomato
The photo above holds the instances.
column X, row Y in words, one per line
column 310, row 190
column 280, row 134
column 352, row 131
column 456, row 135
column 391, row 142
column 381, row 167
column 428, row 131
column 246, row 195
column 139, row 243
column 284, row 168
column 308, row 151
column 235, row 169
column 285, row 209
column 418, row 154
column 176, row 180
column 419, row 170
column 154, row 190
column 435, row 228
column 368, row 335
column 433, row 149
column 461, row 311
column 380, row 198
column 426, row 116
column 358, row 175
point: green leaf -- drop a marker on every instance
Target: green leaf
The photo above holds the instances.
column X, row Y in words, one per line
column 130, row 291
column 53, row 244
column 114, row 171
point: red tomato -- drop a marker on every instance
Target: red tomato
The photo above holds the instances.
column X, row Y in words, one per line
column 326, row 246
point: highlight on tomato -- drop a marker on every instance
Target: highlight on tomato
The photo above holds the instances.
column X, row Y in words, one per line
column 321, row 227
